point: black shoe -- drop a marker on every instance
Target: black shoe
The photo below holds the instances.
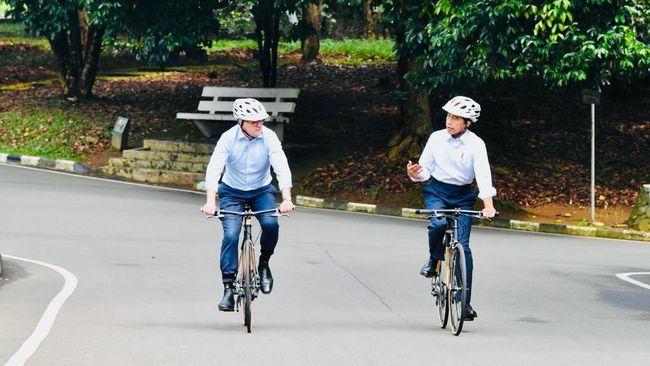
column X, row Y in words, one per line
column 470, row 313
column 228, row 301
column 429, row 268
column 266, row 279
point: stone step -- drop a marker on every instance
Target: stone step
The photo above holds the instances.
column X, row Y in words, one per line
column 184, row 179
column 178, row 146
column 143, row 154
column 179, row 166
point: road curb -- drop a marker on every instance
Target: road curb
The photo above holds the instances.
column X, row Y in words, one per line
column 306, row 201
column 599, row 232
column 39, row 162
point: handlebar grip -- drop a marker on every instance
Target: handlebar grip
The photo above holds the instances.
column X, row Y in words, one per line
column 214, row 213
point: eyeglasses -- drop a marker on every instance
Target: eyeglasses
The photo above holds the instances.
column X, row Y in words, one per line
column 255, row 123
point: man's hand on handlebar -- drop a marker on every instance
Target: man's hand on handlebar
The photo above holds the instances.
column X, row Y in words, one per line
column 286, row 206
column 489, row 212
column 209, row 209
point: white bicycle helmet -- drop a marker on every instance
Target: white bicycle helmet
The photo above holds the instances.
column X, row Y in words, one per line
column 464, row 107
column 249, row 109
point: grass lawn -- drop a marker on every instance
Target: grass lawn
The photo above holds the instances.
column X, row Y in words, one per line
column 50, row 132
column 349, row 51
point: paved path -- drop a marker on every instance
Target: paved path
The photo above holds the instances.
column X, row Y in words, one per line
column 347, row 290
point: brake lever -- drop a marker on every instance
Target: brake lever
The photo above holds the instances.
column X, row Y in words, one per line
column 436, row 216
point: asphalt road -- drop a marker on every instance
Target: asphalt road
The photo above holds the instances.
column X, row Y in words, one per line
column 105, row 273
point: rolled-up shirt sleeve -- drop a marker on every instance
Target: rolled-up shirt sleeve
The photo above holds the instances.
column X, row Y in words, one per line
column 217, row 163
column 483, row 173
column 279, row 162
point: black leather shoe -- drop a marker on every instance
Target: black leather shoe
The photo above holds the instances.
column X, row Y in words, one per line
column 470, row 313
column 228, row 301
column 429, row 268
column 266, row 279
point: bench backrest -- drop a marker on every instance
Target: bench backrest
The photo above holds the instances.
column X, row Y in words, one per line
column 273, row 99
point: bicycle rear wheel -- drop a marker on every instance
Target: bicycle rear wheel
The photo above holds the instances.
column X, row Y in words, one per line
column 457, row 288
column 439, row 292
column 248, row 285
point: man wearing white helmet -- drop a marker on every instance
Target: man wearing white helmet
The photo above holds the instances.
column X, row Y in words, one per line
column 247, row 151
column 451, row 159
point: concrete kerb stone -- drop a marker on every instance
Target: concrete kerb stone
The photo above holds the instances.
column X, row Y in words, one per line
column 601, row 232
column 38, row 162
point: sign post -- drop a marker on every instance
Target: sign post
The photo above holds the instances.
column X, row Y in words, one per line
column 120, row 134
column 590, row 96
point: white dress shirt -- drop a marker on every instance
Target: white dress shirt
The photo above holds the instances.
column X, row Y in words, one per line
column 457, row 161
column 247, row 162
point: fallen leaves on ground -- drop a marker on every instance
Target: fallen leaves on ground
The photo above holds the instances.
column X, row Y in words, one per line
column 538, row 144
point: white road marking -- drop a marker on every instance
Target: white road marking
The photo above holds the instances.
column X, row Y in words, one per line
column 626, row 277
column 47, row 319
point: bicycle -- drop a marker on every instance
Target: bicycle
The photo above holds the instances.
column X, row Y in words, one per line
column 247, row 281
column 450, row 291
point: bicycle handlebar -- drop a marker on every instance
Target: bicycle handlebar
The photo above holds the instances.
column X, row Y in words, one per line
column 246, row 213
column 220, row 213
column 455, row 212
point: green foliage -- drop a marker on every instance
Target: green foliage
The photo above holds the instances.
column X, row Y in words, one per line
column 152, row 30
column 236, row 20
column 156, row 31
column 49, row 132
column 4, row 9
column 560, row 42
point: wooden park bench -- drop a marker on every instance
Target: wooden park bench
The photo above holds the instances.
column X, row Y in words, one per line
column 214, row 115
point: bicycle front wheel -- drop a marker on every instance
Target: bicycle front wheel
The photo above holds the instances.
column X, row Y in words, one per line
column 248, row 285
column 457, row 288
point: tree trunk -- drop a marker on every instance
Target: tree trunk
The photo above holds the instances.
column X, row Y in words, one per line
column 368, row 20
column 415, row 113
column 415, row 119
column 312, row 26
column 267, row 31
column 77, row 51
column 275, row 41
column 91, row 60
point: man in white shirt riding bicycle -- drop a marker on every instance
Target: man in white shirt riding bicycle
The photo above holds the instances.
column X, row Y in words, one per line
column 451, row 159
column 247, row 151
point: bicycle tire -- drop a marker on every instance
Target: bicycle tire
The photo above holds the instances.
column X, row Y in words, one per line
column 457, row 288
column 439, row 292
column 440, row 287
column 248, row 288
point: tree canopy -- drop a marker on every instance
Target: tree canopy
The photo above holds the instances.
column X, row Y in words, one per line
column 560, row 42
column 76, row 30
column 155, row 30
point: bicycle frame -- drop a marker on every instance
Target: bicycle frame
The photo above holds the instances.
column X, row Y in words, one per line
column 246, row 253
column 450, row 289
column 247, row 281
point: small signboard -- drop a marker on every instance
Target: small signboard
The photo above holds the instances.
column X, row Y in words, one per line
column 590, row 96
column 120, row 134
